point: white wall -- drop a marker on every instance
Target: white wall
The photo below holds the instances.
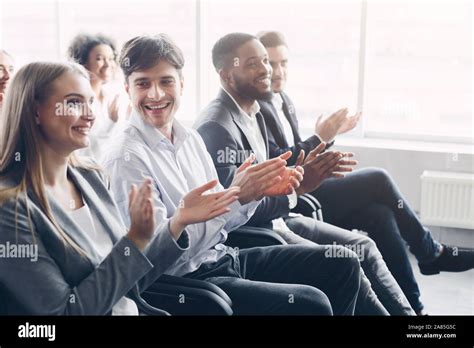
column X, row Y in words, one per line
column 406, row 167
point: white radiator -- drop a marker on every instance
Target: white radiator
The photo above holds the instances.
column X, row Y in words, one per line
column 447, row 199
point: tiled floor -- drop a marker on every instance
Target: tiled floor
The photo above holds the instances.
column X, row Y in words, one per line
column 448, row 293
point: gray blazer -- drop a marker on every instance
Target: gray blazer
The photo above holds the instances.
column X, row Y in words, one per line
column 62, row 281
column 220, row 125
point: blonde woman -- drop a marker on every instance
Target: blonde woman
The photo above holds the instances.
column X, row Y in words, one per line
column 66, row 250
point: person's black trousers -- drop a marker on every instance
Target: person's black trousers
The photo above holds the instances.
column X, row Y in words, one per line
column 286, row 280
column 369, row 200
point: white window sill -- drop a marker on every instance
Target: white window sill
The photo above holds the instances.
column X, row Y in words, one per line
column 406, row 145
column 400, row 144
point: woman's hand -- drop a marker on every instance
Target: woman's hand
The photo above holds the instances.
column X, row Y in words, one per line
column 199, row 206
column 142, row 214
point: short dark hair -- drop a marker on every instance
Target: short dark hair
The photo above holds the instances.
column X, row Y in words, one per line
column 226, row 46
column 82, row 44
column 143, row 52
column 271, row 38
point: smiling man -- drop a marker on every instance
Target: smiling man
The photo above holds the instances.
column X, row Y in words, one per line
column 234, row 121
column 367, row 199
column 155, row 144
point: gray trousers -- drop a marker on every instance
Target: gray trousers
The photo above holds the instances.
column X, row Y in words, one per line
column 375, row 273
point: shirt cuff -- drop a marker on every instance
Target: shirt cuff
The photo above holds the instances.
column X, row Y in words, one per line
column 320, row 139
column 234, row 207
column 328, row 144
column 292, row 200
column 247, row 209
column 163, row 237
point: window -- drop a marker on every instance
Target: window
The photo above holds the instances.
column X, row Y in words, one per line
column 323, row 38
column 47, row 27
column 419, row 70
column 407, row 65
column 29, row 30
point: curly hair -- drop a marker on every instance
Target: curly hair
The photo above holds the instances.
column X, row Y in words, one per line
column 82, row 44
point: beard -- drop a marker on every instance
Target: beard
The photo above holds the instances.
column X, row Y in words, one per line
column 250, row 92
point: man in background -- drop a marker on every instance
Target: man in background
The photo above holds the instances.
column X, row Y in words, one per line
column 6, row 71
column 366, row 199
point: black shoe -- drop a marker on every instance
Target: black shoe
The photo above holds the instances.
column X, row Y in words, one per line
column 422, row 313
column 452, row 259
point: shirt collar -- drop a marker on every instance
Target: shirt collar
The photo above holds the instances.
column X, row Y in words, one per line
column 277, row 101
column 254, row 109
column 153, row 136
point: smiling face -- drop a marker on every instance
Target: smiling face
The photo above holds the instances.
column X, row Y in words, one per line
column 66, row 117
column 156, row 93
column 279, row 61
column 101, row 62
column 6, row 70
column 250, row 76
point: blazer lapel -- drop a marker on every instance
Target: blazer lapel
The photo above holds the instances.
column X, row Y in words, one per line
column 237, row 118
column 273, row 123
column 99, row 205
column 69, row 226
column 263, row 130
column 240, row 124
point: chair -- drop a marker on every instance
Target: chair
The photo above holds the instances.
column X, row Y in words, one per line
column 308, row 205
column 171, row 295
column 184, row 296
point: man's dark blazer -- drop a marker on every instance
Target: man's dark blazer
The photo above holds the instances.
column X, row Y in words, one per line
column 220, row 125
column 277, row 141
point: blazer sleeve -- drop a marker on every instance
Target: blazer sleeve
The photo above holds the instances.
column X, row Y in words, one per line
column 221, row 145
column 275, row 147
column 39, row 286
column 307, row 145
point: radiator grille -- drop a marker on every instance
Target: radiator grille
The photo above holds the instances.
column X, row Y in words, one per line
column 447, row 199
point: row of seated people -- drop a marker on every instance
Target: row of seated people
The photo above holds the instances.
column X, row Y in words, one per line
column 162, row 198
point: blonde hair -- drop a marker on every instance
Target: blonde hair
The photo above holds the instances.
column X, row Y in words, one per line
column 20, row 158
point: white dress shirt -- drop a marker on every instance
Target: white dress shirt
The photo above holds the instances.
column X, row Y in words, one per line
column 277, row 102
column 252, row 130
column 103, row 245
column 255, row 138
column 175, row 169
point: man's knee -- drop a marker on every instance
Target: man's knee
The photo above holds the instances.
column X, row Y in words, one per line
column 352, row 263
column 343, row 260
column 308, row 300
column 367, row 249
column 380, row 210
column 378, row 176
column 378, row 216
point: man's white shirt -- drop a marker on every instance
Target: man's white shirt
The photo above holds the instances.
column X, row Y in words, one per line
column 254, row 136
column 175, row 169
column 277, row 102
